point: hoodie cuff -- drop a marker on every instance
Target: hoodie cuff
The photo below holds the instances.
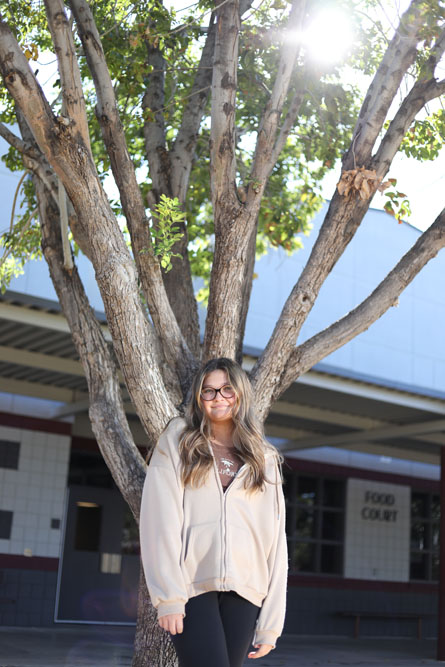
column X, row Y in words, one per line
column 166, row 608
column 265, row 637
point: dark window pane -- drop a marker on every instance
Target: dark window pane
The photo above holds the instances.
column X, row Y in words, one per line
column 333, row 493
column 419, row 566
column 435, row 567
column 331, row 559
column 302, row 556
column 88, row 469
column 88, row 520
column 5, row 524
column 418, row 536
column 307, row 491
column 435, row 507
column 9, row 454
column 305, row 523
column 435, row 534
column 130, row 534
column 332, row 526
column 419, row 505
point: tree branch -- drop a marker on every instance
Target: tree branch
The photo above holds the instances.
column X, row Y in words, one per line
column 399, row 56
column 114, row 267
column 108, row 417
column 22, row 84
column 107, row 413
column 13, row 140
column 424, row 90
column 370, row 310
column 183, row 149
column 178, row 281
column 421, row 93
column 35, row 161
column 154, row 125
column 236, row 223
column 222, row 331
column 288, row 124
column 265, row 155
column 174, row 346
column 344, row 214
column 224, row 84
column 72, row 92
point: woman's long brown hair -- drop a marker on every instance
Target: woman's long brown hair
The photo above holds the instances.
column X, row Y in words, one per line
column 248, row 436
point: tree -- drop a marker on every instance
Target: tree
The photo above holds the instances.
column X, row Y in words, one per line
column 166, row 108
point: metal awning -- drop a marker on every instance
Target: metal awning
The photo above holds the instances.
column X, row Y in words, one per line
column 323, row 408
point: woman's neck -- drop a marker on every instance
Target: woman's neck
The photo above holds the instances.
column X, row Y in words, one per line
column 222, row 433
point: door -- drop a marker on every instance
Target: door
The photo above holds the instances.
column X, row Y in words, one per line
column 99, row 567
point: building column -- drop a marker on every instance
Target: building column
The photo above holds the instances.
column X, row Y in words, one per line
column 441, row 610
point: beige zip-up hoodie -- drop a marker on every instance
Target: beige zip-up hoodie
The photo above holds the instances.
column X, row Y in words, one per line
column 195, row 540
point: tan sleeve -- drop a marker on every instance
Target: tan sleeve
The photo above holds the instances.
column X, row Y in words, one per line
column 160, row 524
column 271, row 618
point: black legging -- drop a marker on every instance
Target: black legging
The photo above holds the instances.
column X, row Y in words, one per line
column 218, row 630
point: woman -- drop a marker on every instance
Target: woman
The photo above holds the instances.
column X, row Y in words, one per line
column 212, row 526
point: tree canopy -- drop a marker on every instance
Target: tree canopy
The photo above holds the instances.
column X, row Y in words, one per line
column 317, row 139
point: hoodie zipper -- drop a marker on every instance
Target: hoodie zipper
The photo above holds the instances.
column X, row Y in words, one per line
column 224, row 541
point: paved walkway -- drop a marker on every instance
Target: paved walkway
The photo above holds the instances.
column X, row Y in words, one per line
column 111, row 646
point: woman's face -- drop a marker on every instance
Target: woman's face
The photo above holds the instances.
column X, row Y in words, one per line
column 219, row 409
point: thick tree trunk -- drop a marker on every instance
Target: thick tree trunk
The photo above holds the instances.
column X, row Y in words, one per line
column 152, row 645
column 107, row 413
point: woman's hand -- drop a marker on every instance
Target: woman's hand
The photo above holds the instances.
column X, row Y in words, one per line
column 263, row 649
column 172, row 623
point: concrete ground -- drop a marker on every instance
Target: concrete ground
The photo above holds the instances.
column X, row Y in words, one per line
column 111, row 646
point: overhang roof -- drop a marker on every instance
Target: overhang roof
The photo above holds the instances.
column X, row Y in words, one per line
column 323, row 408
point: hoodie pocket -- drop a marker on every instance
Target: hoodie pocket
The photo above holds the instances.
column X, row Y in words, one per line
column 246, row 560
column 202, row 555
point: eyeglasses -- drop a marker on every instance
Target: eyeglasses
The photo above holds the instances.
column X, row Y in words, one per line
column 209, row 393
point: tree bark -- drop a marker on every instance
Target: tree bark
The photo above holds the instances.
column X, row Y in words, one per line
column 369, row 311
column 178, row 281
column 398, row 57
column 152, row 645
column 114, row 267
column 236, row 223
column 107, row 415
column 345, row 214
column 174, row 346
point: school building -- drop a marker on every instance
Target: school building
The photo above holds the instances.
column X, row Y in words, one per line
column 362, row 433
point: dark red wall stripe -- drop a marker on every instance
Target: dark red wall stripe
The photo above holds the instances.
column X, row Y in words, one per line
column 15, row 562
column 304, row 466
column 35, row 424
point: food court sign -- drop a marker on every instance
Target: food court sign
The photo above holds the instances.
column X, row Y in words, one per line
column 377, row 526
column 379, row 506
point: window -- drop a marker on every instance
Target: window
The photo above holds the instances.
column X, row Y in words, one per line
column 315, row 523
column 9, row 454
column 425, row 518
column 5, row 524
column 88, row 524
column 89, row 469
